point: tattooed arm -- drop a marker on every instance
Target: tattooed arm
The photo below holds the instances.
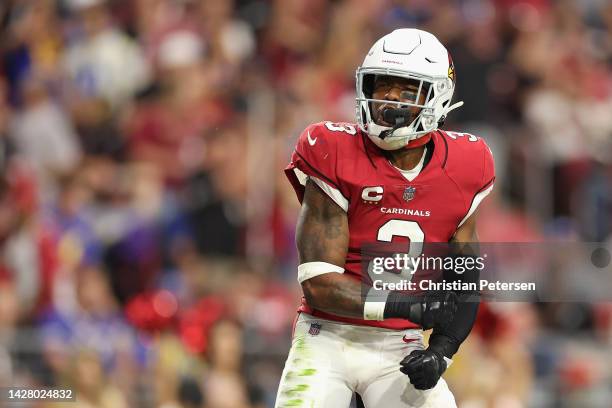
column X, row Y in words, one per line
column 323, row 236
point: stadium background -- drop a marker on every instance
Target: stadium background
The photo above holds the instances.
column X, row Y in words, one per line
column 146, row 229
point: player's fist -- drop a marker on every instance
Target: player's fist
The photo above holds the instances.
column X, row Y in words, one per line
column 434, row 310
column 424, row 368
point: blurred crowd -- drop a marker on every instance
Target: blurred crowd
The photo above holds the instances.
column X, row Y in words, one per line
column 146, row 229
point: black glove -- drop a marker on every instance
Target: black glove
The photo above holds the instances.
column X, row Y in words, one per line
column 431, row 310
column 435, row 310
column 424, row 368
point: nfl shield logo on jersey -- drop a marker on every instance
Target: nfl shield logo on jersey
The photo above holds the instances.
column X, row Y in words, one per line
column 409, row 193
column 315, row 328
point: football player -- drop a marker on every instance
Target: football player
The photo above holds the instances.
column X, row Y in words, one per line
column 393, row 174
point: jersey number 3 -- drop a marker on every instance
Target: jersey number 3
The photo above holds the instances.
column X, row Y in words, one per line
column 341, row 127
column 401, row 228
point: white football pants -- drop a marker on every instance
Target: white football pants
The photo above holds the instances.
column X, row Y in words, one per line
column 328, row 361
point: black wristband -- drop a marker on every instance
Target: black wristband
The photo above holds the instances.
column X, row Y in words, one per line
column 403, row 306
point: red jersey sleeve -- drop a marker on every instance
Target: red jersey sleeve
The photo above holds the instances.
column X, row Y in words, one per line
column 479, row 187
column 471, row 166
column 488, row 166
column 316, row 157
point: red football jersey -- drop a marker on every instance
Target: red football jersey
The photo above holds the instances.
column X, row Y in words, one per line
column 382, row 205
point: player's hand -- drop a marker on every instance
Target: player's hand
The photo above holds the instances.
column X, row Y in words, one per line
column 435, row 310
column 424, row 368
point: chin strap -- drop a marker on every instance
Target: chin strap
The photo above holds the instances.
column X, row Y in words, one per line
column 450, row 108
column 399, row 117
column 453, row 107
column 423, row 140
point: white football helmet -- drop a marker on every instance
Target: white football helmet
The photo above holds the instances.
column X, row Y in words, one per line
column 413, row 54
